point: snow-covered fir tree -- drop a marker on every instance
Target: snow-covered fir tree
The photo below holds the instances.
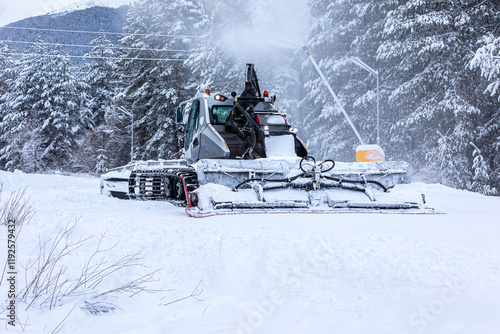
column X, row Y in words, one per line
column 153, row 89
column 432, row 104
column 429, row 46
column 212, row 68
column 6, row 66
column 6, row 75
column 487, row 58
column 19, row 121
column 212, row 63
column 340, row 29
column 46, row 111
column 323, row 125
column 98, row 73
column 481, row 176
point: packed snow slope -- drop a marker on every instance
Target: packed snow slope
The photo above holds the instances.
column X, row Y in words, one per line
column 338, row 273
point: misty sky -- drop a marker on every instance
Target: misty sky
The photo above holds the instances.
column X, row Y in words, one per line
column 14, row 10
column 284, row 20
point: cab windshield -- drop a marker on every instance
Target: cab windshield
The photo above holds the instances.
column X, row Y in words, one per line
column 220, row 114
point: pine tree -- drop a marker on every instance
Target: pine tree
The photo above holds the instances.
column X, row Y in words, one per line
column 213, row 68
column 67, row 112
column 154, row 88
column 430, row 46
column 6, row 75
column 481, row 177
column 20, row 118
column 329, row 42
column 283, row 80
column 6, row 67
column 99, row 71
column 212, row 63
column 47, row 109
column 341, row 29
column 487, row 58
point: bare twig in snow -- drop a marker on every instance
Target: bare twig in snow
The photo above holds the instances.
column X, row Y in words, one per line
column 195, row 294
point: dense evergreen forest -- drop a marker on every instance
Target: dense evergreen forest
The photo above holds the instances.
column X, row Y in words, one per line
column 438, row 62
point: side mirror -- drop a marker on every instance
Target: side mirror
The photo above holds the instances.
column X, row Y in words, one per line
column 179, row 115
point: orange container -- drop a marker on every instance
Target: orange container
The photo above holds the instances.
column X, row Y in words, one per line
column 369, row 153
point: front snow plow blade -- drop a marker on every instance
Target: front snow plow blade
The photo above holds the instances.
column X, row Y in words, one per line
column 308, row 186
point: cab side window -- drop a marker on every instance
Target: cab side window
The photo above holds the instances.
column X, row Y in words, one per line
column 192, row 123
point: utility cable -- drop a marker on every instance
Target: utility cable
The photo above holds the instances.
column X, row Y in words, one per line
column 101, row 32
column 62, row 55
column 111, row 46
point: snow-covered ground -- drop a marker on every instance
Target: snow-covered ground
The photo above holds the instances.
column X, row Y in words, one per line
column 345, row 273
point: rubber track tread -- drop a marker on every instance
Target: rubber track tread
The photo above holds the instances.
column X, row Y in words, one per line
column 162, row 184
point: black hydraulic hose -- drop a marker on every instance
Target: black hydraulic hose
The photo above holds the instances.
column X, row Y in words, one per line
column 340, row 181
column 266, row 180
column 355, row 182
column 306, row 159
column 329, row 169
column 251, row 147
column 249, row 118
column 240, row 134
column 309, row 158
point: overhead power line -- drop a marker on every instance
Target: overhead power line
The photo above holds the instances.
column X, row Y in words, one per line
column 100, row 32
column 112, row 46
column 56, row 56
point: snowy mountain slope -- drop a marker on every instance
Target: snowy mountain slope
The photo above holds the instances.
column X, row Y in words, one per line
column 90, row 19
column 350, row 273
column 84, row 4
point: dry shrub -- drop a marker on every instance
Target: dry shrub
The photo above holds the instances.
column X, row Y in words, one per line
column 49, row 280
column 17, row 206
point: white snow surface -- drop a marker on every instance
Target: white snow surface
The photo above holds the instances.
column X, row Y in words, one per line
column 338, row 273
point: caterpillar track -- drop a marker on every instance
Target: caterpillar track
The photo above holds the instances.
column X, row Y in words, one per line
column 162, row 184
